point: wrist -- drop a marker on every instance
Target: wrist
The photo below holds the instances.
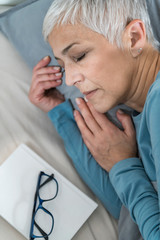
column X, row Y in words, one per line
column 57, row 103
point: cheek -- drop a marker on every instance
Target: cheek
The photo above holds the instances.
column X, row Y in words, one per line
column 98, row 73
column 108, row 97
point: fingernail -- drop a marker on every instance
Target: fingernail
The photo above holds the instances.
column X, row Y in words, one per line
column 56, row 68
column 120, row 111
column 86, row 100
column 58, row 74
column 46, row 57
column 75, row 113
column 78, row 101
column 59, row 80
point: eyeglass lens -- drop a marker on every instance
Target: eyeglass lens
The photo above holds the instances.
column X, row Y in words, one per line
column 49, row 190
column 44, row 221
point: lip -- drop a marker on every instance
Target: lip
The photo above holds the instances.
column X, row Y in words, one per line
column 89, row 94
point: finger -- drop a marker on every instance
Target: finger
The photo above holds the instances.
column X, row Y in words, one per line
column 85, row 131
column 87, row 115
column 49, row 84
column 47, row 77
column 126, row 122
column 48, row 70
column 87, row 135
column 41, row 78
column 43, row 86
column 40, row 89
column 42, row 63
column 101, row 118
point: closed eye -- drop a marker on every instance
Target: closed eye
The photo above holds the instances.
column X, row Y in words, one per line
column 78, row 59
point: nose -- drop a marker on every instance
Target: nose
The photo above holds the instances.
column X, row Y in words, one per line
column 73, row 76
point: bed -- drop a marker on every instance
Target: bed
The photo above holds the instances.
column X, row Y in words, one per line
column 21, row 47
column 21, row 122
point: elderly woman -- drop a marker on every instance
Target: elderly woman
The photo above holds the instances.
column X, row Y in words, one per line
column 109, row 53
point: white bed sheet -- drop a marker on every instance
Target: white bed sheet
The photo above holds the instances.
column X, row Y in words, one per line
column 21, row 122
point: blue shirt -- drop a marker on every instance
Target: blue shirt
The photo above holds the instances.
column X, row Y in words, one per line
column 132, row 178
column 130, row 181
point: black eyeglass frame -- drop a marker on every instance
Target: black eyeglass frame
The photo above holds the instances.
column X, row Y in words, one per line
column 40, row 206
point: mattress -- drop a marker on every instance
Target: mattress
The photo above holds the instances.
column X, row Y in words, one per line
column 22, row 122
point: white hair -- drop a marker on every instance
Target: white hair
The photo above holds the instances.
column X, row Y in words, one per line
column 106, row 17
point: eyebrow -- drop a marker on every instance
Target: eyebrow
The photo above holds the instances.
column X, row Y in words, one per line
column 65, row 50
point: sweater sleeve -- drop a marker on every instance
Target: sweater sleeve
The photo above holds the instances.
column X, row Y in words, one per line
column 153, row 124
column 137, row 193
column 130, row 179
column 91, row 173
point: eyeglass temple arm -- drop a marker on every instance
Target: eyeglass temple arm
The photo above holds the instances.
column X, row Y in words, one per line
column 41, row 231
column 48, row 180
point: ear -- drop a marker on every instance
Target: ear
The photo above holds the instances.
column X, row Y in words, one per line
column 134, row 37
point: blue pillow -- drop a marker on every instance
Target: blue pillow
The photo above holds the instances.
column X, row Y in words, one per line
column 22, row 25
column 154, row 13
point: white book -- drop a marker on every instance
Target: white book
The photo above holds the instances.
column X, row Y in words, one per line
column 18, row 181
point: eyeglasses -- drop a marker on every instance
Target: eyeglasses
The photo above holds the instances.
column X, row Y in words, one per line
column 47, row 190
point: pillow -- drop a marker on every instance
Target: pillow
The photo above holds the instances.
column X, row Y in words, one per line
column 154, row 13
column 4, row 8
column 22, row 25
column 10, row 2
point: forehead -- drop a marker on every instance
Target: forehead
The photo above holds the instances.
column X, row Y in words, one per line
column 67, row 34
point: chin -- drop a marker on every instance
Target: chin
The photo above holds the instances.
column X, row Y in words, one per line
column 101, row 105
column 100, row 108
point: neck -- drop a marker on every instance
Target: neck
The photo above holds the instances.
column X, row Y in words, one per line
column 145, row 72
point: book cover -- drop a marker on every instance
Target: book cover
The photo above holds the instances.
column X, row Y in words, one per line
column 18, row 181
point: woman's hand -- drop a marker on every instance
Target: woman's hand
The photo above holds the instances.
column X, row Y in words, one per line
column 107, row 143
column 45, row 79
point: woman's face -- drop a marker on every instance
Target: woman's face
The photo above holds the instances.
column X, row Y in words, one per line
column 101, row 71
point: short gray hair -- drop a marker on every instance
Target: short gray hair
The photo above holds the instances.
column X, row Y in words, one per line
column 106, row 17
